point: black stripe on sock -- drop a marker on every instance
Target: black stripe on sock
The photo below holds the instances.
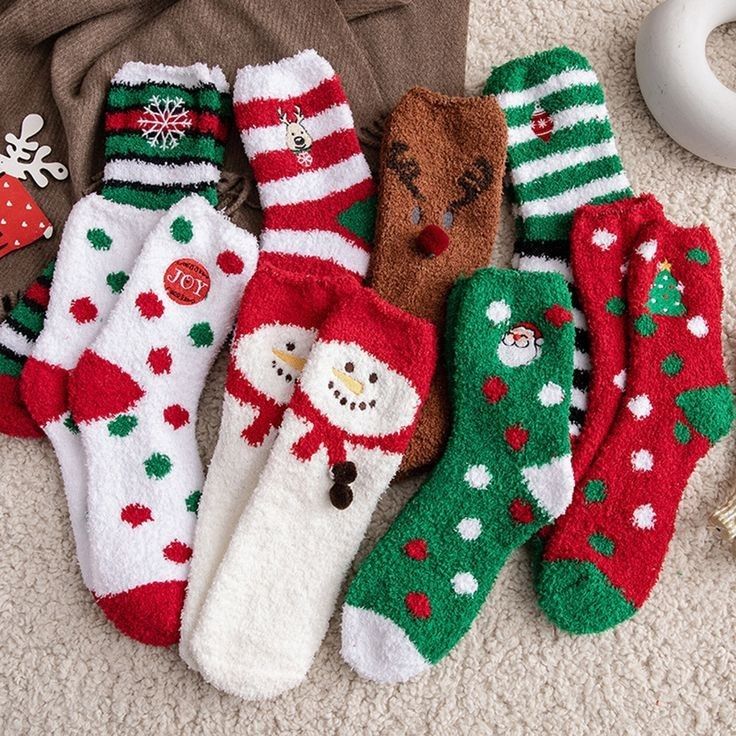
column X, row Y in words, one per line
column 20, row 328
column 154, row 188
column 582, row 341
column 156, row 159
column 580, row 379
column 577, row 416
column 11, row 354
column 558, row 249
column 33, row 306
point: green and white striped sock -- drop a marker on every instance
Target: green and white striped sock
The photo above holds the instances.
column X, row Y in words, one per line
column 562, row 154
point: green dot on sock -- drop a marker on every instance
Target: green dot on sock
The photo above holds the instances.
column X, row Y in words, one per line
column 602, row 544
column 157, row 465
column 182, row 230
column 682, row 433
column 645, row 325
column 616, row 306
column 698, row 255
column 122, row 425
column 192, row 501
column 116, row 281
column 99, row 239
column 595, row 491
column 672, row 364
column 71, row 425
column 201, row 335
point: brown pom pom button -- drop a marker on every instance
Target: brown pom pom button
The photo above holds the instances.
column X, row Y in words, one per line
column 341, row 494
column 433, row 241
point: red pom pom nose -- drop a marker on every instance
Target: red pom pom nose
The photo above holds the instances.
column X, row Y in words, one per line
column 433, row 240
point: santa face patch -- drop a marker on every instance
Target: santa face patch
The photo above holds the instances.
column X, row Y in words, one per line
column 521, row 345
column 359, row 393
column 272, row 357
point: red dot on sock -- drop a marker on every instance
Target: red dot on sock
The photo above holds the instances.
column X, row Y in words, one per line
column 494, row 389
column 176, row 415
column 159, row 360
column 229, row 262
column 416, row 549
column 516, row 437
column 149, row 305
column 83, row 310
column 418, row 605
column 136, row 514
column 557, row 315
column 177, row 551
column 521, row 511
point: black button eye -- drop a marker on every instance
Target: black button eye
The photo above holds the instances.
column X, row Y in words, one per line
column 290, row 346
column 349, row 367
column 373, row 378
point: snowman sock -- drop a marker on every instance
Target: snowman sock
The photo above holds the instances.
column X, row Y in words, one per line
column 605, row 554
column 561, row 155
column 340, row 443
column 310, row 259
column 442, row 163
column 164, row 138
column 505, row 473
column 18, row 333
column 134, row 395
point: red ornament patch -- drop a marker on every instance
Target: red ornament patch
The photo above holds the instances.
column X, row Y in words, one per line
column 187, row 281
column 149, row 305
column 418, row 605
column 83, row 310
column 542, row 123
column 516, row 437
column 521, row 511
column 416, row 549
column 159, row 360
column 136, row 514
column 557, row 315
column 177, row 551
column 229, row 262
column 494, row 389
column 176, row 415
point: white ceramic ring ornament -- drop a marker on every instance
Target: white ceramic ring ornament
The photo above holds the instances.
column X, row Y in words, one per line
column 679, row 87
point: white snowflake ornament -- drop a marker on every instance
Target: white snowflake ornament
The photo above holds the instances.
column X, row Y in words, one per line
column 164, row 122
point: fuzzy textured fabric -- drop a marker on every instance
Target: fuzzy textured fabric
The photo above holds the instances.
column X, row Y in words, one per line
column 310, row 260
column 340, row 443
column 134, row 395
column 562, row 154
column 18, row 333
column 442, row 166
column 147, row 165
column 604, row 555
column 506, row 472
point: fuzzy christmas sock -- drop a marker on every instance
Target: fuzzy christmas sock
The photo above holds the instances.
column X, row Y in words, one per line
column 561, row 155
column 442, row 163
column 134, row 395
column 18, row 332
column 606, row 552
column 311, row 258
column 601, row 242
column 165, row 128
column 505, row 473
column 340, row 443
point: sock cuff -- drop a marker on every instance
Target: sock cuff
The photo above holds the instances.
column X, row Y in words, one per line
column 165, row 129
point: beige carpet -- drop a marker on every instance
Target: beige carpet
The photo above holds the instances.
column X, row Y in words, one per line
column 65, row 670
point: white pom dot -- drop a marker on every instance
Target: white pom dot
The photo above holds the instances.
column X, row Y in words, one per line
column 644, row 517
column 640, row 406
column 642, row 460
column 469, row 529
column 647, row 250
column 551, row 394
column 464, row 583
column 603, row 238
column 498, row 312
column 477, row 476
column 619, row 380
column 698, row 326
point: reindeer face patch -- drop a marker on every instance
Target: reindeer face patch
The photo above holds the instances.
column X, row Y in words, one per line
column 272, row 357
column 298, row 140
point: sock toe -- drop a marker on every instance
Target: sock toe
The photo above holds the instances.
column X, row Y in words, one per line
column 377, row 649
column 579, row 598
column 149, row 613
column 14, row 417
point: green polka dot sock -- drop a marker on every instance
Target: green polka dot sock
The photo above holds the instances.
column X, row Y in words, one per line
column 152, row 161
column 605, row 554
column 134, row 396
column 506, row 472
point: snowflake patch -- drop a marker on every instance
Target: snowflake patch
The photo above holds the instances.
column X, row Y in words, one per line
column 164, row 122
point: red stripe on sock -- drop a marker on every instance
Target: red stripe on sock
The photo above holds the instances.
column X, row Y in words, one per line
column 201, row 122
column 264, row 112
column 38, row 294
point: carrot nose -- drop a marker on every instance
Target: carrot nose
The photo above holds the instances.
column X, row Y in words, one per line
column 433, row 241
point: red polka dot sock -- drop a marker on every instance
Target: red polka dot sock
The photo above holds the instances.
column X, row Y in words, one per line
column 605, row 554
column 317, row 195
column 340, row 443
column 505, row 473
column 134, row 395
column 153, row 159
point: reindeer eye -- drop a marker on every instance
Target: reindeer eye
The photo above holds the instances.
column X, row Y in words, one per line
column 416, row 215
column 447, row 220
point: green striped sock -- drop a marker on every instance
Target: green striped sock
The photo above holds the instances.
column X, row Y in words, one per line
column 165, row 133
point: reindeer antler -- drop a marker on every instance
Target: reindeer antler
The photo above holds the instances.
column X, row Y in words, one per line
column 298, row 117
column 283, row 117
column 473, row 181
column 406, row 168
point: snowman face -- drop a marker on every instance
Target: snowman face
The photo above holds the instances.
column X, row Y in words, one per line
column 272, row 357
column 357, row 392
column 520, row 345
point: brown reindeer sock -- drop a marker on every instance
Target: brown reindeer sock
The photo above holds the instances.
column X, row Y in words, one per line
column 442, row 164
